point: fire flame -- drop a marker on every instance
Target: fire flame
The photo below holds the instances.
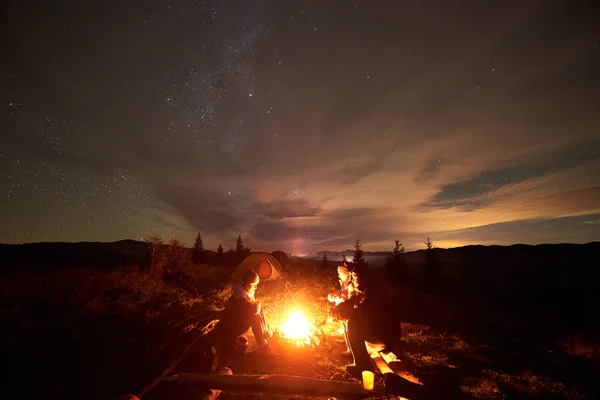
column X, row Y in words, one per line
column 299, row 330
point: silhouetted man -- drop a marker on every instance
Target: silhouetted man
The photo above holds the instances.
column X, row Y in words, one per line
column 346, row 291
column 369, row 316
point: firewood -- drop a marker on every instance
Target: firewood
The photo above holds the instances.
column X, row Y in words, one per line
column 398, row 385
column 280, row 384
column 212, row 394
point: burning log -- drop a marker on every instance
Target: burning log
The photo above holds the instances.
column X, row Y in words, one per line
column 279, row 384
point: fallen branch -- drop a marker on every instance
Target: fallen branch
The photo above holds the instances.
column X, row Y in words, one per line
column 203, row 332
column 278, row 384
column 188, row 328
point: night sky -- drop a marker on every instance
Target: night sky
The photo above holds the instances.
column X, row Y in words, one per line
column 300, row 125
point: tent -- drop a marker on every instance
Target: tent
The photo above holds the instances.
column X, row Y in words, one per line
column 264, row 264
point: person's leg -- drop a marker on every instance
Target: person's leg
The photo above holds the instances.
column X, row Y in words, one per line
column 228, row 342
column 346, row 337
column 357, row 336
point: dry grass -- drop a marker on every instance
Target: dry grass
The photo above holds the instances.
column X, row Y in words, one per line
column 534, row 384
column 425, row 339
column 481, row 388
column 430, row 353
column 86, row 291
column 582, row 347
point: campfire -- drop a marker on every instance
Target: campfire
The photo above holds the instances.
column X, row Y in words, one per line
column 298, row 330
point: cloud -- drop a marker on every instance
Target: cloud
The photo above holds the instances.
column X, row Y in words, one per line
column 279, row 209
column 351, row 213
column 432, row 167
column 528, row 231
column 339, row 227
column 477, row 191
column 351, row 171
column 204, row 210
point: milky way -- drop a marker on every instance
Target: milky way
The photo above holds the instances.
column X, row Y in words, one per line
column 301, row 125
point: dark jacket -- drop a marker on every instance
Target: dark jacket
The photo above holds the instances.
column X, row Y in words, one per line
column 238, row 313
column 374, row 308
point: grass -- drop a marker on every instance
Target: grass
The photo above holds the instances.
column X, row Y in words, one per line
column 82, row 292
column 582, row 347
column 482, row 388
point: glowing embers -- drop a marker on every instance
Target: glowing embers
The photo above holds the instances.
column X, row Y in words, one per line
column 298, row 330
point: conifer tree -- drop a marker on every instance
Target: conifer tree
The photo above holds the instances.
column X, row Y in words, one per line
column 359, row 256
column 432, row 262
column 219, row 256
column 198, row 250
column 396, row 266
column 239, row 244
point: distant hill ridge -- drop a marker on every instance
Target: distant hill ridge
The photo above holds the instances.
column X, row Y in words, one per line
column 46, row 255
column 471, row 249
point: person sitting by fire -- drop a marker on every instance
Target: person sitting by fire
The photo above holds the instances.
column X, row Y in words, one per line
column 367, row 318
column 346, row 291
column 242, row 312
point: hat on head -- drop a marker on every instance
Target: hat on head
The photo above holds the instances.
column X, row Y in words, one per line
column 249, row 276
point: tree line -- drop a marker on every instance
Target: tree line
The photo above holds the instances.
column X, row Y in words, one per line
column 234, row 255
column 396, row 266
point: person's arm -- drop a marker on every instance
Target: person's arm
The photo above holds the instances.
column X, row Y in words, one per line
column 257, row 307
column 253, row 305
column 346, row 309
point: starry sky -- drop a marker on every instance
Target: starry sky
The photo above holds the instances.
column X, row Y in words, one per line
column 301, row 125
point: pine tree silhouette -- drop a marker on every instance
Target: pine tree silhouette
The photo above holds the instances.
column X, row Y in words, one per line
column 241, row 251
column 219, row 257
column 239, row 244
column 198, row 250
column 396, row 266
column 432, row 262
column 324, row 261
column 359, row 255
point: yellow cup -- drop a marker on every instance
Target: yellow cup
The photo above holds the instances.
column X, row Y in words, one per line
column 368, row 378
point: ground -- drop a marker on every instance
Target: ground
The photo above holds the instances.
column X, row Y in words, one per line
column 457, row 350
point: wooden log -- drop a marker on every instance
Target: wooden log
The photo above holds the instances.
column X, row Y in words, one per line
column 380, row 363
column 400, row 370
column 394, row 367
column 279, row 384
column 397, row 385
column 212, row 394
